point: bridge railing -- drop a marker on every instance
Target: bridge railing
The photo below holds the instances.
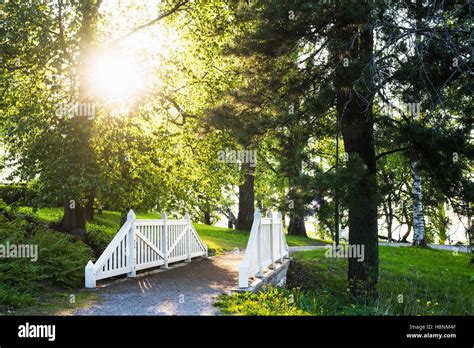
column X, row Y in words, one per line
column 266, row 246
column 142, row 244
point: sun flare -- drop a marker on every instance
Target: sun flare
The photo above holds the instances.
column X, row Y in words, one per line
column 116, row 77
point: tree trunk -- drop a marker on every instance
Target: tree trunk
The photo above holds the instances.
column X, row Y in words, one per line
column 207, row 214
column 469, row 231
column 389, row 229
column 390, row 219
column 407, row 221
column 74, row 219
column 296, row 226
column 296, row 212
column 354, row 108
column 358, row 141
column 246, row 198
column 388, row 210
column 90, row 207
column 419, row 238
column 230, row 223
column 295, row 163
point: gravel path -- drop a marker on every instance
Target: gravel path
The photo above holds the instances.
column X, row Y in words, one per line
column 184, row 289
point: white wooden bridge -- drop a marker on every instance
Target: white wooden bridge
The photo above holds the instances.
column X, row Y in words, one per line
column 143, row 244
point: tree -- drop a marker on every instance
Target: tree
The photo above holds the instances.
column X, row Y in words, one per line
column 419, row 238
column 41, row 142
column 80, row 206
column 354, row 88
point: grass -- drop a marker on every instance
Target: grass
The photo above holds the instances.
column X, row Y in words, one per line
column 273, row 302
column 58, row 302
column 221, row 239
column 413, row 281
column 49, row 215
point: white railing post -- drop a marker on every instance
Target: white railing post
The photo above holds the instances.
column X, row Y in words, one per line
column 188, row 236
column 132, row 246
column 280, row 236
column 272, row 253
column 90, row 275
column 164, row 245
column 257, row 217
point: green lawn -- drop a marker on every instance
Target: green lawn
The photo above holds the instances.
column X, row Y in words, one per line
column 413, row 281
column 218, row 239
column 223, row 239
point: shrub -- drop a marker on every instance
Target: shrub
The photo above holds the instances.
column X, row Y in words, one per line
column 11, row 296
column 61, row 259
column 31, row 194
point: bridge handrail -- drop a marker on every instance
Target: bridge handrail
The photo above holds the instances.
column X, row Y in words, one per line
column 266, row 246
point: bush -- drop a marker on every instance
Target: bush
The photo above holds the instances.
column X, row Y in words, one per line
column 22, row 221
column 61, row 259
column 11, row 296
